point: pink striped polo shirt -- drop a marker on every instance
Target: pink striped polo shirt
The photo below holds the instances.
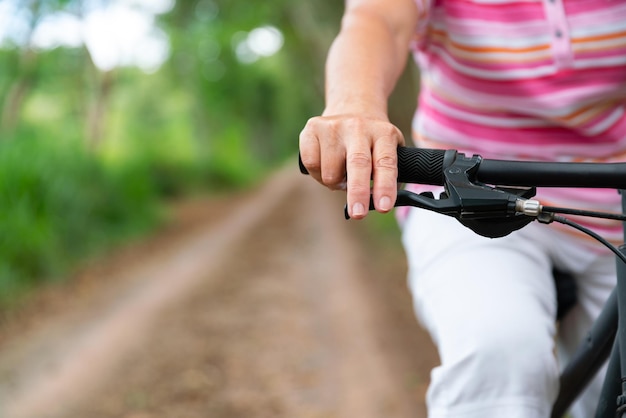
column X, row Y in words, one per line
column 526, row 79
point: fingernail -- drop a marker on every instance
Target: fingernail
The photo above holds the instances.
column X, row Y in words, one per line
column 358, row 209
column 384, row 203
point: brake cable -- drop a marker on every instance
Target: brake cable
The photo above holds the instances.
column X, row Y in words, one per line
column 588, row 213
column 547, row 214
column 599, row 238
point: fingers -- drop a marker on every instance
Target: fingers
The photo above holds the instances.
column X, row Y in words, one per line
column 359, row 172
column 385, row 167
column 310, row 153
column 378, row 161
column 353, row 150
column 325, row 160
column 333, row 165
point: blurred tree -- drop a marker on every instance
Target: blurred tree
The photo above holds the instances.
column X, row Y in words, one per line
column 97, row 108
column 26, row 68
column 266, row 99
column 26, row 72
column 240, row 101
column 18, row 89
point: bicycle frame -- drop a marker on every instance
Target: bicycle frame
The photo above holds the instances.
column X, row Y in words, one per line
column 607, row 336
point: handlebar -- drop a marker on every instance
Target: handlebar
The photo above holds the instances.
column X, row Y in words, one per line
column 426, row 166
column 492, row 197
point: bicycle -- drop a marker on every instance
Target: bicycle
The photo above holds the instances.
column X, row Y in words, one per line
column 494, row 198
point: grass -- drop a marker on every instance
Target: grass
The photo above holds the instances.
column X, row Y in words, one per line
column 60, row 203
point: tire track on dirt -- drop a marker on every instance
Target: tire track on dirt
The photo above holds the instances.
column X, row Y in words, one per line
column 78, row 358
column 266, row 314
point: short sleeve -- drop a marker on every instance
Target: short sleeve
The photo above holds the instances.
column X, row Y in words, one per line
column 424, row 8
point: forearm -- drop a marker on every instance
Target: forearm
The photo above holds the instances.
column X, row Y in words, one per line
column 364, row 64
column 353, row 140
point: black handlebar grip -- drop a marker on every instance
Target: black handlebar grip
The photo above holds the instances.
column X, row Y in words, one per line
column 416, row 165
column 423, row 166
column 303, row 169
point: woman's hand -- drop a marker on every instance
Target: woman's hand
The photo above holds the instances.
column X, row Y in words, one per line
column 353, row 141
column 347, row 151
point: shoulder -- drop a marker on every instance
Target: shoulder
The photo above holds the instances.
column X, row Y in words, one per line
column 400, row 14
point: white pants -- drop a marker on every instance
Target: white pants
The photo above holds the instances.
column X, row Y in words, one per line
column 490, row 308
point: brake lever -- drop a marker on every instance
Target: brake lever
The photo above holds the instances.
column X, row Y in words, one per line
column 464, row 198
column 425, row 200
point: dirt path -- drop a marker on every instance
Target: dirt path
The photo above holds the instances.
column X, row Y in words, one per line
column 267, row 305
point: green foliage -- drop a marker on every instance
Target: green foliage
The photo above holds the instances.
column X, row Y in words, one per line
column 87, row 157
column 269, row 99
column 59, row 204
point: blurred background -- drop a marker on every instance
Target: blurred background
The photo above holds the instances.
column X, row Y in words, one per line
column 156, row 260
column 108, row 108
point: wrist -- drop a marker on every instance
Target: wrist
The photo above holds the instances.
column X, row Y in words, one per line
column 356, row 110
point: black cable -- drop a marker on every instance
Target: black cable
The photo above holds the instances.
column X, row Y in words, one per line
column 565, row 221
column 580, row 212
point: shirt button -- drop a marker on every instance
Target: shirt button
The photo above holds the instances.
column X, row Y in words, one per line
column 558, row 33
